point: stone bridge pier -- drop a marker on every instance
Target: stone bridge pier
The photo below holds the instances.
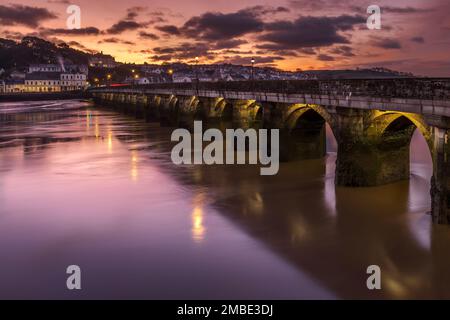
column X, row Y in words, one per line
column 440, row 182
column 374, row 146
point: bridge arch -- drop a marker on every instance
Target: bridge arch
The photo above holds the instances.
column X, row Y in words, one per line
column 385, row 123
column 255, row 110
column 393, row 132
column 198, row 109
column 306, row 131
column 378, row 152
column 222, row 109
column 296, row 111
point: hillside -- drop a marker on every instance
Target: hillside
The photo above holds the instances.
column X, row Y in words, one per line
column 35, row 50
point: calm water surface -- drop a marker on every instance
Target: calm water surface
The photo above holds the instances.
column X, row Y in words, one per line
column 88, row 186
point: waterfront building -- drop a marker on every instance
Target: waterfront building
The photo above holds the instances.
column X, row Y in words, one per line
column 75, row 81
column 54, row 82
column 14, row 85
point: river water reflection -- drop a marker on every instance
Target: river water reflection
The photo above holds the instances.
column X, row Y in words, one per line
column 88, row 186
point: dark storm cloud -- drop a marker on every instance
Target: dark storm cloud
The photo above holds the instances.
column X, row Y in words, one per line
column 169, row 30
column 309, row 31
column 88, row 31
column 125, row 25
column 148, row 35
column 16, row 14
column 268, row 49
column 386, row 43
column 214, row 26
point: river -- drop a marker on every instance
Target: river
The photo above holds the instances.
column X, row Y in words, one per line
column 84, row 185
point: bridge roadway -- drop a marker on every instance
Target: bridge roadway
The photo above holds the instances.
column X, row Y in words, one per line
column 373, row 121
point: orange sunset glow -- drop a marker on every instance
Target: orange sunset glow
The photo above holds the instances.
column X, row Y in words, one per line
column 289, row 34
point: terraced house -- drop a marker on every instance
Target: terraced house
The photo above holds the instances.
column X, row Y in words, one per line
column 54, row 82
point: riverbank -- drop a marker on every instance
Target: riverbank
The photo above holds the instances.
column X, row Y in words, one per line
column 41, row 96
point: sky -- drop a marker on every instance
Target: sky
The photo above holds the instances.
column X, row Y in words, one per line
column 288, row 34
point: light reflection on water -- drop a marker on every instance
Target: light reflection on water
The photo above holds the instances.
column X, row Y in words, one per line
column 96, row 188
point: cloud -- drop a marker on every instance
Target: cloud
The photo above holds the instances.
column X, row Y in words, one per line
column 215, row 26
column 229, row 44
column 59, row 1
column 116, row 40
column 386, row 43
column 16, row 14
column 309, row 31
column 308, row 4
column 88, row 31
column 169, row 30
column 345, row 51
column 418, row 39
column 124, row 25
column 133, row 12
column 261, row 10
column 325, row 57
column 76, row 44
column 403, row 10
column 183, row 51
column 148, row 35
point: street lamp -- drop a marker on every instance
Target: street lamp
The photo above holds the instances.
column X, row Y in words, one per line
column 253, row 65
column 196, row 73
column 252, row 73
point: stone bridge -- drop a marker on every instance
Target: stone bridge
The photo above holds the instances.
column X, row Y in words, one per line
column 372, row 120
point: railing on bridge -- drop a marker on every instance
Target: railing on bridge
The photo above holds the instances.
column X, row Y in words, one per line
column 414, row 88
